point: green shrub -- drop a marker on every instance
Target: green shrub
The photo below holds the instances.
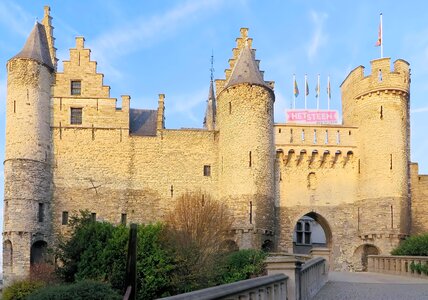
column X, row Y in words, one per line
column 243, row 264
column 83, row 290
column 413, row 246
column 419, row 268
column 21, row 289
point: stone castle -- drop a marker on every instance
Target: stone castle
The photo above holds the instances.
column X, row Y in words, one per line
column 70, row 148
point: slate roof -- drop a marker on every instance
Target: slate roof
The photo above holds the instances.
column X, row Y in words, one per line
column 143, row 122
column 246, row 70
column 210, row 113
column 36, row 47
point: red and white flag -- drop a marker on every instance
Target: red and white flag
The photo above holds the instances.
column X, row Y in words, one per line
column 379, row 38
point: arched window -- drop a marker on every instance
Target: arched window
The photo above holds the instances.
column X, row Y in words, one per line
column 38, row 252
column 7, row 254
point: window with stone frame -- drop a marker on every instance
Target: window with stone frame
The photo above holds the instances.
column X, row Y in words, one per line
column 64, row 218
column 303, row 233
column 76, row 116
column 76, row 87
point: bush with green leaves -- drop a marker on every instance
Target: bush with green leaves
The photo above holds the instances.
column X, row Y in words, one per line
column 416, row 245
column 420, row 268
column 21, row 289
column 98, row 251
column 82, row 290
column 243, row 264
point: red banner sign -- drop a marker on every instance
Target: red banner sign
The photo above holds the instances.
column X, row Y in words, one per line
column 308, row 116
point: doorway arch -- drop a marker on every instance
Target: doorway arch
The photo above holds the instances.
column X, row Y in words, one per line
column 311, row 230
column 38, row 252
column 360, row 257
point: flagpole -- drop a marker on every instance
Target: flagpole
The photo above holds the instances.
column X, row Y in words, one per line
column 294, row 93
column 318, row 92
column 381, row 37
column 328, row 92
column 306, row 83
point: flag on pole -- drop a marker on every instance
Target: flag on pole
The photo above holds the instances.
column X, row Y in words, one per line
column 379, row 41
column 296, row 89
column 317, row 88
column 328, row 88
column 306, row 87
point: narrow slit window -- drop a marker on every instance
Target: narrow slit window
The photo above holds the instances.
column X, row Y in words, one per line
column 338, row 137
column 123, row 219
column 291, row 135
column 250, row 162
column 303, row 134
column 326, row 137
column 251, row 212
column 230, row 108
column 76, row 87
column 76, row 116
column 315, row 136
column 41, row 213
column 93, row 217
column 381, row 112
column 64, row 218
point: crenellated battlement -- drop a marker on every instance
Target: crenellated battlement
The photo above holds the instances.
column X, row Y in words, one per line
column 380, row 79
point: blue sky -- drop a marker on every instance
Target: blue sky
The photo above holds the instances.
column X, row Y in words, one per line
column 149, row 47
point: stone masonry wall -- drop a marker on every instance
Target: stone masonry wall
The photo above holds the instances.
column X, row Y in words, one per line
column 419, row 184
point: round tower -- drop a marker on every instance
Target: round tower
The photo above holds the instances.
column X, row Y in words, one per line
column 246, row 147
column 379, row 105
column 27, row 168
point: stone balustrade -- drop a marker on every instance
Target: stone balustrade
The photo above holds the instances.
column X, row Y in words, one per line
column 313, row 276
column 266, row 287
column 398, row 265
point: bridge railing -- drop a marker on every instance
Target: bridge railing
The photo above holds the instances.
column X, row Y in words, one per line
column 399, row 265
column 266, row 287
column 313, row 276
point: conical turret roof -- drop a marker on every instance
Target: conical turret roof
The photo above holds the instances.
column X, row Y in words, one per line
column 246, row 69
column 36, row 47
column 211, row 111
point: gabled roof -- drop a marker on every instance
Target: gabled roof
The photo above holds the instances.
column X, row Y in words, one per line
column 246, row 69
column 210, row 113
column 36, row 47
column 143, row 122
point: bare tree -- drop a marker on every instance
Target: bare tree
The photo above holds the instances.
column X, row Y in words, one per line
column 198, row 226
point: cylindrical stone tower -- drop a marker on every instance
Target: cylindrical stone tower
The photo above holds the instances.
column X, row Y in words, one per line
column 27, row 165
column 378, row 104
column 246, row 147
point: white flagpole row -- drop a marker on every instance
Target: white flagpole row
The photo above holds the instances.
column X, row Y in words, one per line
column 306, row 82
column 318, row 93
column 294, row 94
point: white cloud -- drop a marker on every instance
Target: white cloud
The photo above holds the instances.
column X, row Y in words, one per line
column 14, row 17
column 143, row 32
column 184, row 106
column 319, row 37
column 419, row 110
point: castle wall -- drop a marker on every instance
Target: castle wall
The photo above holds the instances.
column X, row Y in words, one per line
column 138, row 176
column 419, row 190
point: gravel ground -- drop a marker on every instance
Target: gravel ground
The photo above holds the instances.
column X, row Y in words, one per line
column 374, row 286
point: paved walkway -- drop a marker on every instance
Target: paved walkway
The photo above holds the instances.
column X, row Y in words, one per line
column 368, row 286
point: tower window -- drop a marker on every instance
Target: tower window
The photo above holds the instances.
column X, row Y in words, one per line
column 123, row 219
column 207, row 170
column 41, row 214
column 93, row 217
column 76, row 87
column 76, row 116
column 64, row 218
column 303, row 233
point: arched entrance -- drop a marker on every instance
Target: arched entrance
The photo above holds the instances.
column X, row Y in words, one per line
column 360, row 257
column 38, row 252
column 311, row 231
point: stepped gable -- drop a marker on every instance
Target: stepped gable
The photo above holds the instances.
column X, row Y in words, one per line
column 142, row 122
column 246, row 68
column 37, row 47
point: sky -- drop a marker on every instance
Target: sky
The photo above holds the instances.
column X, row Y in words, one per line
column 144, row 48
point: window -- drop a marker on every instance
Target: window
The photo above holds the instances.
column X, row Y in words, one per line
column 41, row 214
column 93, row 217
column 76, row 116
column 303, row 233
column 64, row 218
column 207, row 170
column 76, row 87
column 123, row 219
